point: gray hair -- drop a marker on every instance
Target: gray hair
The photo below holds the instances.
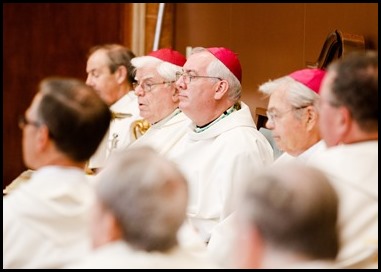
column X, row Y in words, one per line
column 295, row 208
column 148, row 196
column 299, row 95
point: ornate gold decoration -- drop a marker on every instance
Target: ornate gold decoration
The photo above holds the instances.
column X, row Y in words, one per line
column 120, row 115
column 23, row 177
column 139, row 127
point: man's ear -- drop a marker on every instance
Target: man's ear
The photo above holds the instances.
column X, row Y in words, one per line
column 312, row 117
column 115, row 230
column 221, row 89
column 104, row 226
column 121, row 74
column 344, row 122
column 43, row 137
column 175, row 95
column 252, row 248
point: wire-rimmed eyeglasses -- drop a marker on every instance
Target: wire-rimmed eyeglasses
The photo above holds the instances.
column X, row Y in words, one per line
column 147, row 87
column 275, row 116
column 187, row 78
column 23, row 122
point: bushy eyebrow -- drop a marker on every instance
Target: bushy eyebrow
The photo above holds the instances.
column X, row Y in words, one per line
column 189, row 71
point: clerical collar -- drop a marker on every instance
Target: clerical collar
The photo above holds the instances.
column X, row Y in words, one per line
column 169, row 117
column 233, row 108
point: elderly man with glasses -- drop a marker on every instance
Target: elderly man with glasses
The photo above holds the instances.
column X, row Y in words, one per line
column 158, row 98
column 222, row 145
column 292, row 112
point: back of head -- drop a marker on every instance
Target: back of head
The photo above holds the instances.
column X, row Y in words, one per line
column 118, row 55
column 295, row 208
column 75, row 115
column 147, row 194
column 168, row 62
column 356, row 87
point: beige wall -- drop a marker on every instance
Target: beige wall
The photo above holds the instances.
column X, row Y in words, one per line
column 271, row 39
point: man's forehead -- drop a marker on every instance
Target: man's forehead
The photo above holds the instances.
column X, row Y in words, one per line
column 145, row 73
column 279, row 100
column 198, row 61
column 327, row 83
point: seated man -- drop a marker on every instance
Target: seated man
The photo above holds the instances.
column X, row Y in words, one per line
column 287, row 219
column 158, row 98
column 293, row 114
column 141, row 201
column 222, row 144
column 111, row 74
column 349, row 126
column 44, row 220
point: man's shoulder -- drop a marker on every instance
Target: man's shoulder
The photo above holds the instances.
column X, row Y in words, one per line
column 126, row 103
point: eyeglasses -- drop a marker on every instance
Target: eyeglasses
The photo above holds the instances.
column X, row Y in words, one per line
column 274, row 116
column 24, row 122
column 147, row 87
column 187, row 78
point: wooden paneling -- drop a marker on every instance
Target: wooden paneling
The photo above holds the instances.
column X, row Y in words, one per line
column 271, row 39
column 166, row 35
column 41, row 40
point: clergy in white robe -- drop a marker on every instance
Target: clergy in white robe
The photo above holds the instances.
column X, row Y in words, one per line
column 111, row 74
column 45, row 220
column 216, row 162
column 353, row 170
column 222, row 145
column 349, row 126
column 158, row 98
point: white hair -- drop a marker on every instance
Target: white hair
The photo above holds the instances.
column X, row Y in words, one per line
column 165, row 69
column 299, row 95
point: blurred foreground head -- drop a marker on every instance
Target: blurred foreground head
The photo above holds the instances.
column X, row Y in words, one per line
column 349, row 99
column 289, row 211
column 143, row 197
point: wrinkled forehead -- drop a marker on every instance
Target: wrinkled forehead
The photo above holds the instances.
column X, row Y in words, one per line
column 279, row 98
column 146, row 72
column 198, row 62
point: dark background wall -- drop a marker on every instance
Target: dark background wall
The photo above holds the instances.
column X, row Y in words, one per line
column 42, row 40
column 272, row 40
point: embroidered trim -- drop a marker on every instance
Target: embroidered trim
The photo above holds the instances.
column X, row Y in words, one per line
column 233, row 108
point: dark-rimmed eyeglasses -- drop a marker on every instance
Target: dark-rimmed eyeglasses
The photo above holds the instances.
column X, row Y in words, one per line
column 147, row 87
column 187, row 78
column 23, row 122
